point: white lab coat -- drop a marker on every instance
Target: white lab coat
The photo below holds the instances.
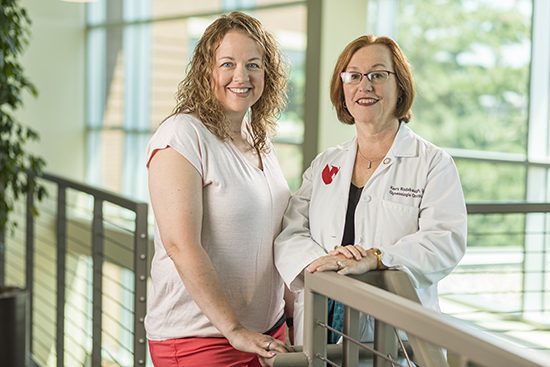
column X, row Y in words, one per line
column 412, row 209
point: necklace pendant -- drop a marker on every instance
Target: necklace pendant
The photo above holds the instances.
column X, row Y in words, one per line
column 368, row 165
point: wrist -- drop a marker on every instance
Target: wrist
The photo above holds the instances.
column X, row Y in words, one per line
column 376, row 255
column 230, row 329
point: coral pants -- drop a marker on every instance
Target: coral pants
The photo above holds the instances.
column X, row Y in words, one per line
column 211, row 352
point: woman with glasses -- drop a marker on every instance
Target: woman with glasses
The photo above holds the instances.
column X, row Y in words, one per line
column 386, row 199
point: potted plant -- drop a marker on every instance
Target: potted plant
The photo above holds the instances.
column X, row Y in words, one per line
column 15, row 164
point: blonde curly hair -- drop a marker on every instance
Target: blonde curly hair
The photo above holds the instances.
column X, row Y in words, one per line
column 195, row 92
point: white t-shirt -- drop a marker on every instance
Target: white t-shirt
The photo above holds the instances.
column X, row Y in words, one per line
column 243, row 207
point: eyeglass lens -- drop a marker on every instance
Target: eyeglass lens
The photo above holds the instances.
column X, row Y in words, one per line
column 375, row 77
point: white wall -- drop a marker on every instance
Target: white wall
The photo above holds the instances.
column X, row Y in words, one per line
column 55, row 62
column 340, row 26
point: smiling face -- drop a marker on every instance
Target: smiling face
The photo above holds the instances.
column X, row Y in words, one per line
column 372, row 103
column 238, row 74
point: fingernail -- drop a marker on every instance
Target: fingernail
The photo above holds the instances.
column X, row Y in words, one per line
column 272, row 353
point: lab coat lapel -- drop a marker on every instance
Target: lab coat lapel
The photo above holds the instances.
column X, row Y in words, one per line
column 339, row 198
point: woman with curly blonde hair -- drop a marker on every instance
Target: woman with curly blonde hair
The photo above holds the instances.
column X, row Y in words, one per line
column 218, row 195
column 196, row 95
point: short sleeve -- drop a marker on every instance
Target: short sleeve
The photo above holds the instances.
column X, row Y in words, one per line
column 183, row 133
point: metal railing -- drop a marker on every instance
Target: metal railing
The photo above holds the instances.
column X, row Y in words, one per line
column 425, row 329
column 83, row 261
column 506, row 269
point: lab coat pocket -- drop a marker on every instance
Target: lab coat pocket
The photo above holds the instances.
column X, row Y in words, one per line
column 394, row 221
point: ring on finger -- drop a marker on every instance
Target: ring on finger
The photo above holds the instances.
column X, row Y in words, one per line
column 340, row 265
column 268, row 344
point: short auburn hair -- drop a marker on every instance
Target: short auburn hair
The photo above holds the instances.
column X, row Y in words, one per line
column 402, row 70
column 195, row 92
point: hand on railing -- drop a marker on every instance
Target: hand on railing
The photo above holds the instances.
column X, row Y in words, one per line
column 346, row 260
column 264, row 346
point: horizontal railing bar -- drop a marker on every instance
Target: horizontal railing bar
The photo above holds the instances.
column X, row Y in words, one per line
column 326, row 360
column 41, row 328
column 113, row 359
column 115, row 339
column 81, row 225
column 118, row 323
column 45, row 255
column 113, row 261
column 467, row 272
column 117, row 303
column 78, row 326
column 437, row 329
column 118, row 244
column 44, row 210
column 118, row 284
column 45, row 286
column 486, row 234
column 46, row 271
column 117, row 199
column 11, row 265
column 46, row 348
column 494, row 292
column 68, row 351
column 506, row 207
column 15, row 254
column 81, row 244
column 46, row 226
column 359, row 344
column 118, row 226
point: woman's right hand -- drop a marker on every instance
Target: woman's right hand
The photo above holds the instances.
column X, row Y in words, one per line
column 264, row 346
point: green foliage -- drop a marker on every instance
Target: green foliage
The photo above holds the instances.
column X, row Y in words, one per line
column 484, row 181
column 496, row 230
column 472, row 92
column 14, row 160
column 471, row 65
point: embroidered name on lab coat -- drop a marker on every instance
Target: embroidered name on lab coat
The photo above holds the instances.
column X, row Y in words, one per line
column 407, row 192
column 329, row 173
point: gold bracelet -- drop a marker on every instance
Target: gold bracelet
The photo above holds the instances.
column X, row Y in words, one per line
column 378, row 254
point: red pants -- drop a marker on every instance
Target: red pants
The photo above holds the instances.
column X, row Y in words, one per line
column 211, row 352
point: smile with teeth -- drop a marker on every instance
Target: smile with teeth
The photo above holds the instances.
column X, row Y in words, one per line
column 239, row 90
column 367, row 100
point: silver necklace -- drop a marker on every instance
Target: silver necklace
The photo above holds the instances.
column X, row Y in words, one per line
column 368, row 162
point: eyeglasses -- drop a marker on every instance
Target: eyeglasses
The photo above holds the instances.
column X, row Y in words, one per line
column 375, row 77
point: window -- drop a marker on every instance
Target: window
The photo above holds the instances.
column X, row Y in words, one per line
column 482, row 75
column 137, row 54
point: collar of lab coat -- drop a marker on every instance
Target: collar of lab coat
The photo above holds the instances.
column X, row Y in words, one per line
column 404, row 145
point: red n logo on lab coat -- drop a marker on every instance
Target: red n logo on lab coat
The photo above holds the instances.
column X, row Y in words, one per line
column 329, row 173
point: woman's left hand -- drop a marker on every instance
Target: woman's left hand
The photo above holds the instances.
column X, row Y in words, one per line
column 341, row 264
column 351, row 252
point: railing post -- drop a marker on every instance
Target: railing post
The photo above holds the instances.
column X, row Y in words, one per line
column 385, row 342
column 97, row 301
column 140, row 297
column 315, row 336
column 61, row 234
column 29, row 267
column 350, row 351
column 2, row 258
